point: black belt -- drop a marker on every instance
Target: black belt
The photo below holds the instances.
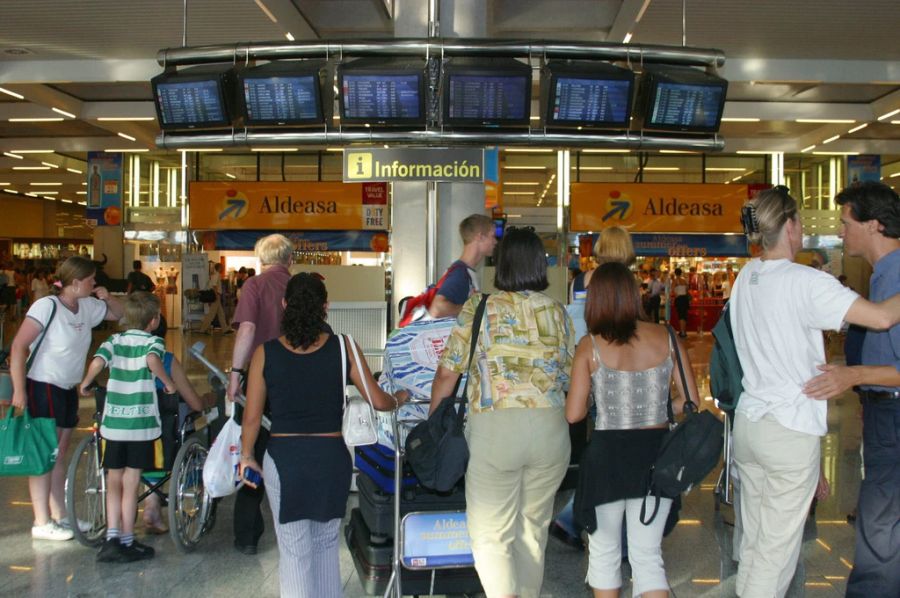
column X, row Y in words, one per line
column 879, row 395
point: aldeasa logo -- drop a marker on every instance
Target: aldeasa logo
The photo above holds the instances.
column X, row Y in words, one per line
column 678, row 207
column 288, row 205
column 235, row 205
column 617, row 205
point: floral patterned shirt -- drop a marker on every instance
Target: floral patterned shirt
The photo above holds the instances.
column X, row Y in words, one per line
column 525, row 346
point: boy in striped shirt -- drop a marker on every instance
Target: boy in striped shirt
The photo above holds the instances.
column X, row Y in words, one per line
column 130, row 420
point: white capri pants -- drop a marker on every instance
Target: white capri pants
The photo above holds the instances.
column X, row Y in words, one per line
column 644, row 546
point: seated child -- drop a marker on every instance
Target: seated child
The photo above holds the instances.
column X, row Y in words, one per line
column 130, row 420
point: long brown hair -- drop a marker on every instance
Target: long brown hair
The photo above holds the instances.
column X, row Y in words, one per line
column 74, row 268
column 613, row 303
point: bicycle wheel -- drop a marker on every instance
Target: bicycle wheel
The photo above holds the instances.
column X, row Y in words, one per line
column 190, row 507
column 86, row 493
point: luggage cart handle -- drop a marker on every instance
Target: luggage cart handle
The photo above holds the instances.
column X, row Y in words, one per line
column 196, row 352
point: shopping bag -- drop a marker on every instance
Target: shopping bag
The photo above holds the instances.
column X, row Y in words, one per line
column 28, row 445
column 221, row 472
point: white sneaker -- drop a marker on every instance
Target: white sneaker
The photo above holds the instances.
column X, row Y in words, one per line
column 83, row 526
column 51, row 531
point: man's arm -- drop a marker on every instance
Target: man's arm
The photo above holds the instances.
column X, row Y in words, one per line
column 441, row 307
column 835, row 379
column 243, row 343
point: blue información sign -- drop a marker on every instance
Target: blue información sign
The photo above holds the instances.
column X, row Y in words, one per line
column 436, row 540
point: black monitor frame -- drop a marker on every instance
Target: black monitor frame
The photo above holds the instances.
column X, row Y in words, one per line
column 224, row 80
column 485, row 67
column 388, row 67
column 588, row 70
column 285, row 69
column 654, row 76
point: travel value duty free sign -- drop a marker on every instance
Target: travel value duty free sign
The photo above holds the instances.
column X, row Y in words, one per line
column 457, row 165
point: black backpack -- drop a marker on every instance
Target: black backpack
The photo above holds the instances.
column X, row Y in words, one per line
column 725, row 372
column 688, row 452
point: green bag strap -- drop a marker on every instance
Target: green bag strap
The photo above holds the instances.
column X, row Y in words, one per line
column 41, row 340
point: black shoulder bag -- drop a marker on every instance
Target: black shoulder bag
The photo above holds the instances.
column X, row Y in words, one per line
column 436, row 448
column 689, row 451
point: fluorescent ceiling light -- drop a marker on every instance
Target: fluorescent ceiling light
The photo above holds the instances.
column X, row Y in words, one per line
column 334, row 149
column 524, row 168
column 46, row 184
column 82, row 203
column 895, row 122
column 63, row 112
column 754, row 152
column 808, row 148
column 36, row 120
column 606, row 151
column 266, row 10
column 66, row 200
column 74, row 170
column 126, row 150
column 836, row 153
column 230, row 176
column 289, row 37
column 201, row 149
column 10, row 155
column 724, row 169
column 13, row 191
column 891, row 176
column 49, row 192
column 50, row 164
column 531, row 150
column 520, row 184
column 534, row 118
column 274, row 149
column 627, row 38
column 858, row 128
column 677, row 152
column 641, row 12
column 3, row 184
column 49, row 197
column 31, row 168
column 31, row 151
column 81, row 193
column 837, row 121
column 662, row 168
column 889, row 114
column 518, row 193
column 830, row 139
column 125, row 136
column 592, row 168
column 739, row 120
column 125, row 118
column 12, row 93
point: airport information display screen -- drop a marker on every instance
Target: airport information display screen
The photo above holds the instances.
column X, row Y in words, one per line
column 582, row 100
column 190, row 103
column 488, row 98
column 687, row 105
column 281, row 99
column 379, row 96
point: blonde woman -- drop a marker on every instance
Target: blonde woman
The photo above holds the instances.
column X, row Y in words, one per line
column 613, row 244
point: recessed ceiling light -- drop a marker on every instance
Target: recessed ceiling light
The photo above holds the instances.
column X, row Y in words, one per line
column 524, row 168
column 230, row 176
column 3, row 184
column 289, row 37
column 858, row 128
column 274, row 149
column 12, row 93
column 889, row 114
column 50, row 164
column 13, row 191
column 126, row 150
column 201, row 149
column 65, row 200
column 31, row 151
column 836, row 153
column 10, row 155
column 518, row 193
column 125, row 118
column 662, row 168
column 739, row 120
column 125, row 136
column 266, row 10
column 808, row 148
column 49, row 192
column 724, row 169
column 837, row 121
column 31, row 168
column 46, row 184
column 36, row 120
column 606, row 151
column 830, row 139
column 627, row 37
column 592, row 168
column 63, row 112
column 528, row 150
column 74, row 170
column 81, row 193
column 82, row 203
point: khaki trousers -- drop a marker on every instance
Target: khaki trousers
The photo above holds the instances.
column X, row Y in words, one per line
column 778, row 469
column 518, row 458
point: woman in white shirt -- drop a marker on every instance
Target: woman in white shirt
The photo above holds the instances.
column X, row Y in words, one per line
column 778, row 312
column 49, row 386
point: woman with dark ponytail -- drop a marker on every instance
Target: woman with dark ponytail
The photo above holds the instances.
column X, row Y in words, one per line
column 307, row 467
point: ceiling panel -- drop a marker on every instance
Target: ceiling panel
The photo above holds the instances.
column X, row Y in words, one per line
column 100, row 92
column 745, row 91
column 66, row 128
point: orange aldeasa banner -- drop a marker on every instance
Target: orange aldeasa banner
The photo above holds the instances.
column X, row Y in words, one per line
column 657, row 208
column 288, row 206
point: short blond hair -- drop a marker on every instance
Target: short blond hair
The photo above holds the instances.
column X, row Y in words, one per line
column 473, row 225
column 140, row 309
column 614, row 245
column 274, row 249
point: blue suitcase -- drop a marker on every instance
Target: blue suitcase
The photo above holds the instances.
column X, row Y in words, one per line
column 377, row 462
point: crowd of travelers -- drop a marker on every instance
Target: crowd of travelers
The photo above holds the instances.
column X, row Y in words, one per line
column 537, row 370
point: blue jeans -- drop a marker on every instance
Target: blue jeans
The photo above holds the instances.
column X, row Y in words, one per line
column 876, row 570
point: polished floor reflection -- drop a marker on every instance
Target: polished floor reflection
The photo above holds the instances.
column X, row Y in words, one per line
column 698, row 553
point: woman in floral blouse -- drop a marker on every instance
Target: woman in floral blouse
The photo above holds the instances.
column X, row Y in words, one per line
column 518, row 435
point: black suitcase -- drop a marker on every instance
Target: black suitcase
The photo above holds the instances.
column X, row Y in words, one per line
column 377, row 507
column 373, row 565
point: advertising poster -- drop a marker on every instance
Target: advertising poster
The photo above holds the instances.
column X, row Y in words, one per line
column 194, row 276
column 104, row 188
column 436, row 540
column 862, row 168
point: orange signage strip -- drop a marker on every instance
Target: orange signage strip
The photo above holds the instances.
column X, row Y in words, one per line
column 657, row 208
column 288, row 206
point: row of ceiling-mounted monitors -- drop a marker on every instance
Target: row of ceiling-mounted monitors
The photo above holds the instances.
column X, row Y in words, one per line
column 472, row 93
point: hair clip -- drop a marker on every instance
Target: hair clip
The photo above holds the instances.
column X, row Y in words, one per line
column 749, row 220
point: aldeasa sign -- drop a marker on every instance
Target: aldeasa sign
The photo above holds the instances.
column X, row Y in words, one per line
column 459, row 165
column 288, row 206
column 657, row 208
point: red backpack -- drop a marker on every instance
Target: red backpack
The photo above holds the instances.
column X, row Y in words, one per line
column 412, row 305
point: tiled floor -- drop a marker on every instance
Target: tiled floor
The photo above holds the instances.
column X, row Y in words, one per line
column 697, row 553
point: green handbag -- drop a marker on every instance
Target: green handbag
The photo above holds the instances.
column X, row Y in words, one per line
column 28, row 446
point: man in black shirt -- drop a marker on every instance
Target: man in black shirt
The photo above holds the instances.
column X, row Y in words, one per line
column 138, row 281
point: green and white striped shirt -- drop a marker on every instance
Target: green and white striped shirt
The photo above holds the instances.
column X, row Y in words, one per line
column 131, row 411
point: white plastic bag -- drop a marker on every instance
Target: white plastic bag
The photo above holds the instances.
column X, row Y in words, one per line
column 221, row 472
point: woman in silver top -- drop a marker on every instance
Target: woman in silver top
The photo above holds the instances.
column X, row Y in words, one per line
column 625, row 364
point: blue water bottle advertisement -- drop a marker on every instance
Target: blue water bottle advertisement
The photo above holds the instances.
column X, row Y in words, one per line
column 104, row 188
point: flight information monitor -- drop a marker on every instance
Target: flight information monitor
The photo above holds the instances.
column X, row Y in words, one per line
column 590, row 101
column 488, row 99
column 382, row 98
column 683, row 99
column 190, row 104
column 283, row 100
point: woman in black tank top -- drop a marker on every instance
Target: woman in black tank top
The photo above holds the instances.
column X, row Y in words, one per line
column 307, row 466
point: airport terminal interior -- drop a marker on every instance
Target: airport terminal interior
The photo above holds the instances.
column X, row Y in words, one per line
column 177, row 133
